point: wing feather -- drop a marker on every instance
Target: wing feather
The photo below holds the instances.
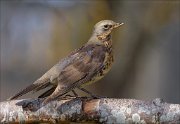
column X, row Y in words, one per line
column 88, row 61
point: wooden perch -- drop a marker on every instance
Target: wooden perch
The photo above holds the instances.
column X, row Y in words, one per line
column 105, row 110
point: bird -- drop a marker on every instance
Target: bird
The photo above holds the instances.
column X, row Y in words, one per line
column 81, row 67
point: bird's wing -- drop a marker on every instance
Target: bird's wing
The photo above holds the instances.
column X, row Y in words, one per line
column 87, row 62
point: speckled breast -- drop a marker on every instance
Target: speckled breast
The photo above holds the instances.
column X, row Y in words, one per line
column 107, row 65
column 104, row 70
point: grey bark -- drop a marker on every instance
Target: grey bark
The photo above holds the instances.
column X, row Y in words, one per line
column 105, row 110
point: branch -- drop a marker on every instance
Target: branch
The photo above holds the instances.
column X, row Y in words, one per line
column 103, row 110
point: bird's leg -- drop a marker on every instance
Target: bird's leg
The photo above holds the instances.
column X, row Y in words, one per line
column 91, row 94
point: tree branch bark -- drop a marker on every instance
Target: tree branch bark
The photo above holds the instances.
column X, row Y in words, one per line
column 105, row 110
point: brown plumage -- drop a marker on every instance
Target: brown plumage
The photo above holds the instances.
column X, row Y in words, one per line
column 83, row 66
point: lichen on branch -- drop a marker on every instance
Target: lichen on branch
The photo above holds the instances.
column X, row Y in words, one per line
column 105, row 110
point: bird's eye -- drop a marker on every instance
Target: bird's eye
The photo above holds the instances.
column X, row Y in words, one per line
column 107, row 26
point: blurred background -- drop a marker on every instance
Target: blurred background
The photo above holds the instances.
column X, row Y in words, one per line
column 35, row 35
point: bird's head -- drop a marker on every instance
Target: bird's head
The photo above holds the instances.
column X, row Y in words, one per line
column 104, row 28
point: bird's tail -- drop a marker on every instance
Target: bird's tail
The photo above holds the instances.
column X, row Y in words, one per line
column 32, row 87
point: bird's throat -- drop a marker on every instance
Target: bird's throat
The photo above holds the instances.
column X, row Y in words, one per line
column 106, row 40
column 101, row 39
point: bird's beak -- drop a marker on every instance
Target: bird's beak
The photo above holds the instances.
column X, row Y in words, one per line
column 118, row 25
